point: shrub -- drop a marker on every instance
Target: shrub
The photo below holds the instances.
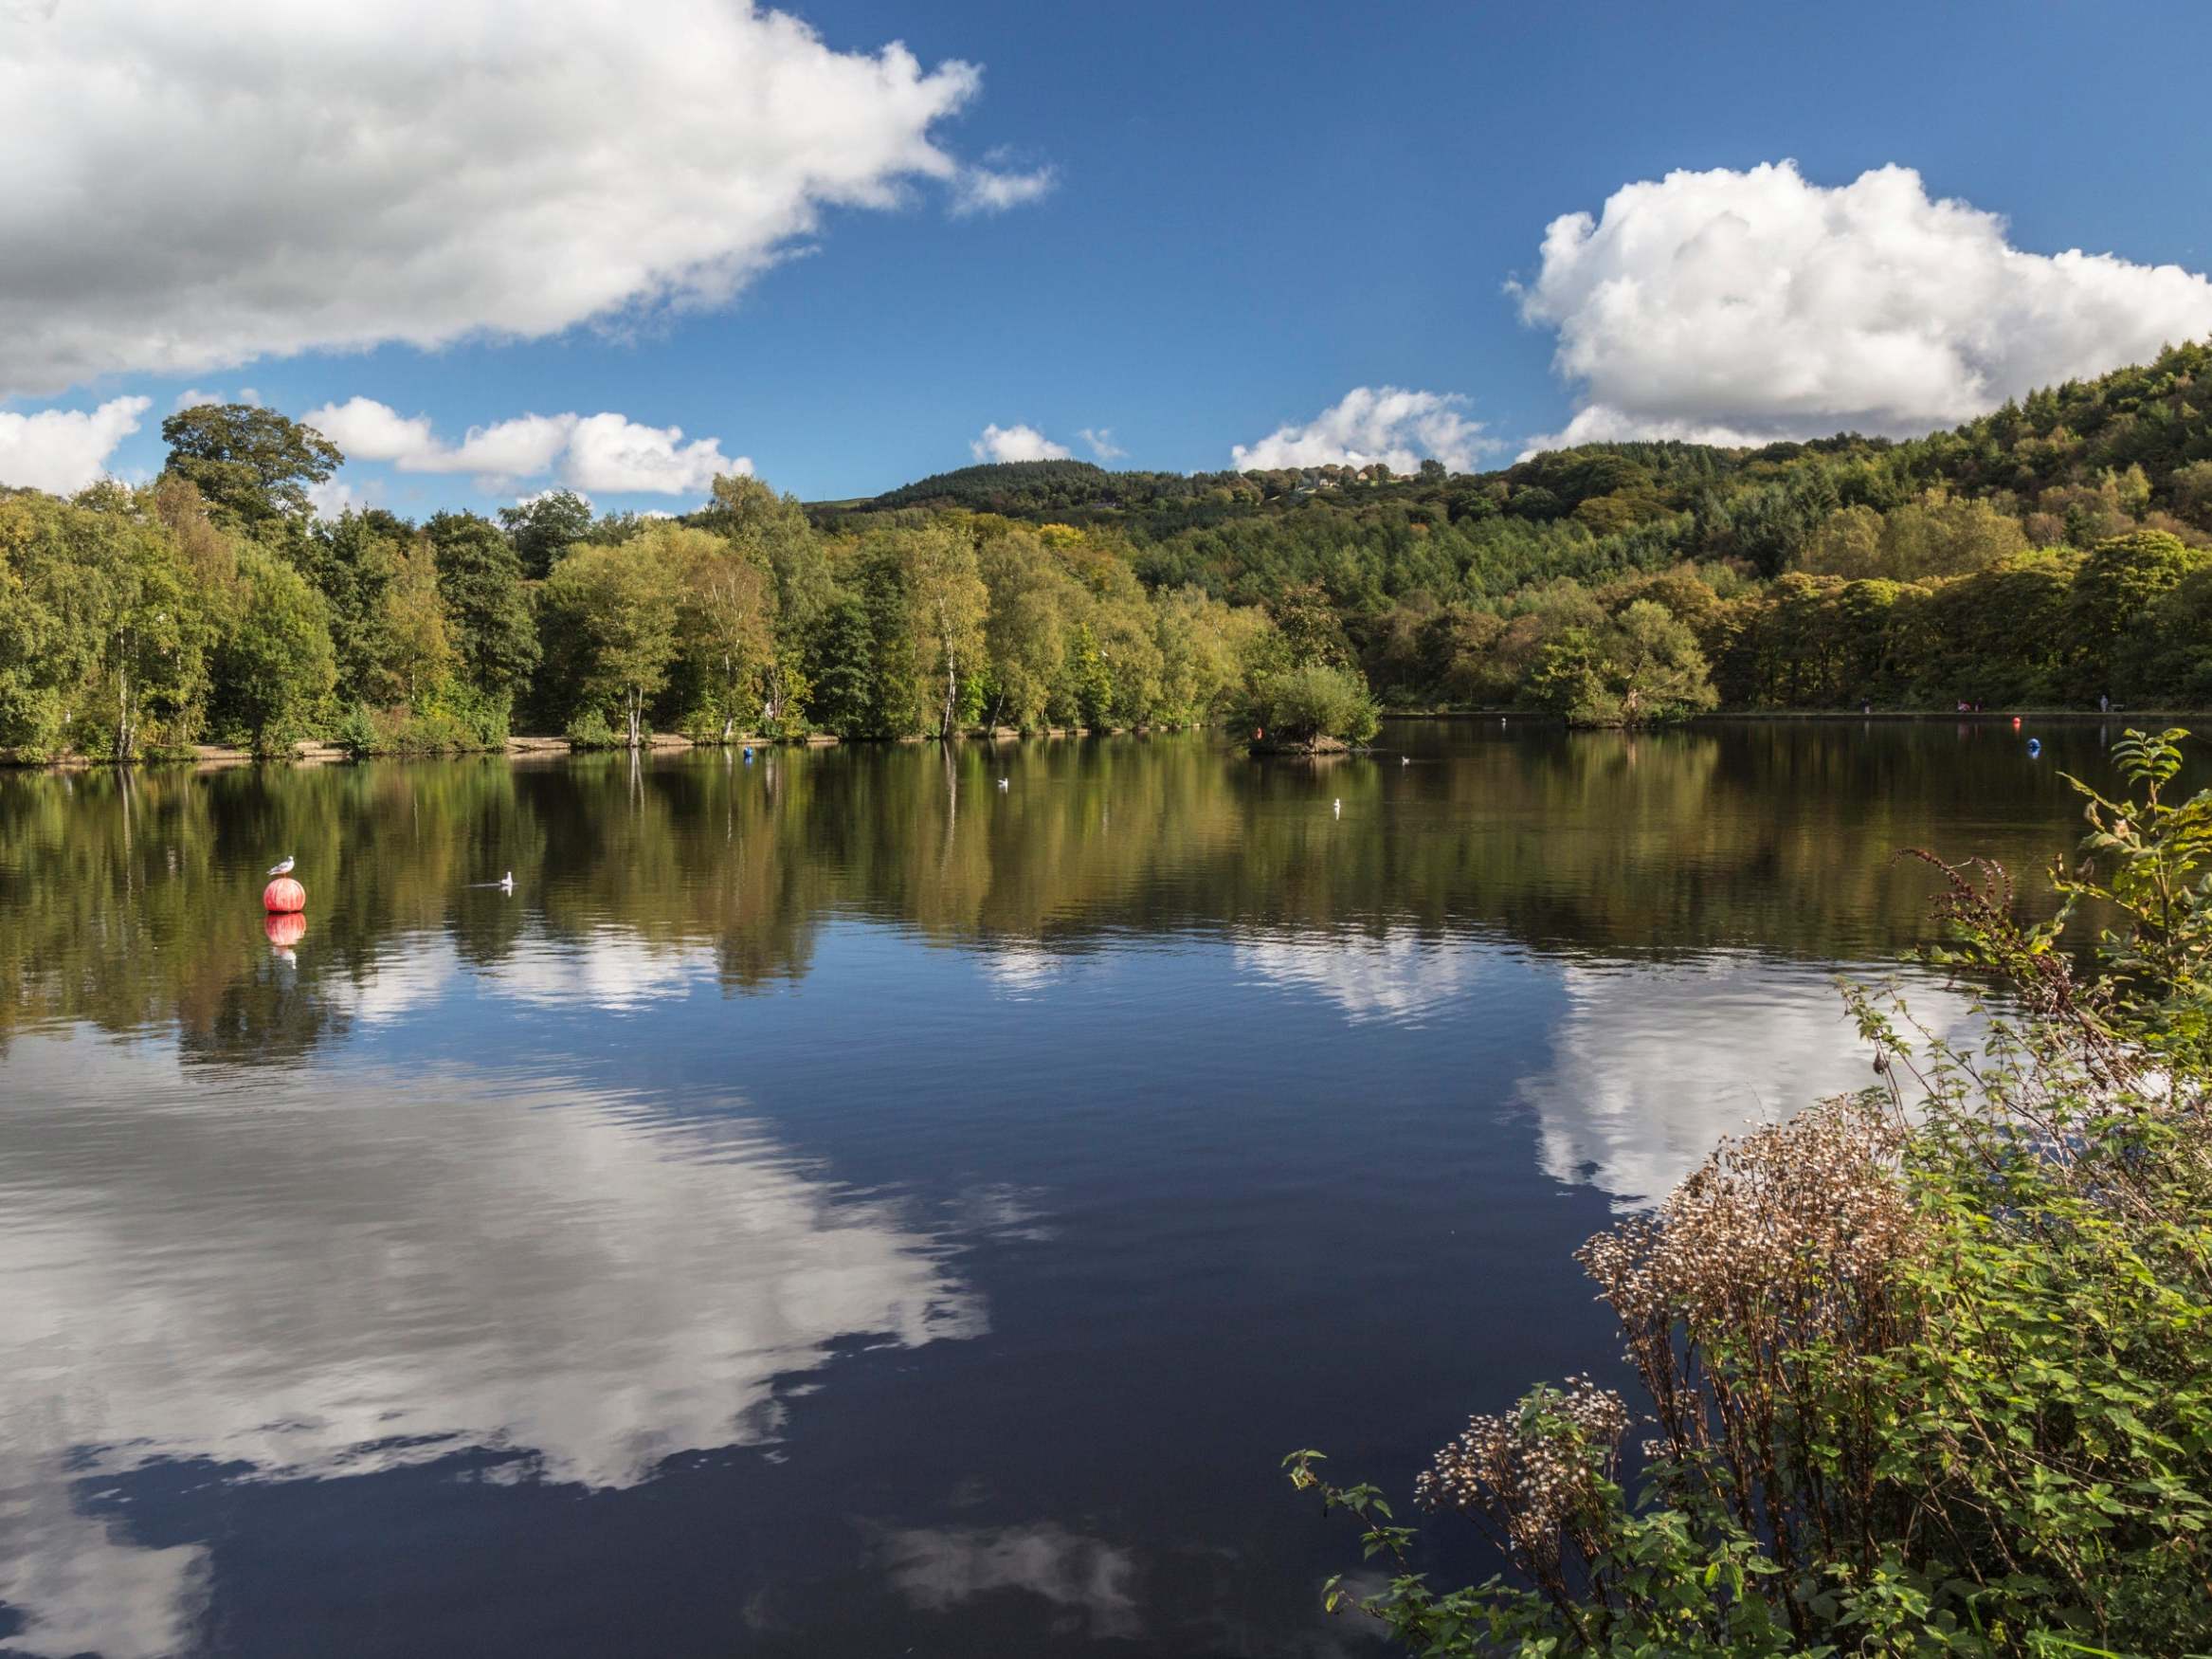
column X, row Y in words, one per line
column 1927, row 1370
column 1300, row 704
column 589, row 730
column 356, row 733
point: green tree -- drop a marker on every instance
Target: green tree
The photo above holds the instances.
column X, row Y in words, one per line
column 726, row 618
column 773, row 531
column 102, row 635
column 2112, row 596
column 1202, row 645
column 1025, row 628
column 947, row 602
column 544, row 527
column 413, row 652
column 1643, row 666
column 251, row 464
column 353, row 561
column 843, row 669
column 1311, row 703
column 2192, row 486
column 276, row 664
column 619, row 605
column 488, row 613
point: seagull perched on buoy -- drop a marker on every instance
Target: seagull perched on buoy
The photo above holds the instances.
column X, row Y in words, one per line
column 283, row 867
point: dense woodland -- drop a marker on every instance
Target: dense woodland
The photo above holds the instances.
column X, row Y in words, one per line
column 2054, row 552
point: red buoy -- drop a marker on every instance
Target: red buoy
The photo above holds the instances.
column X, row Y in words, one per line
column 283, row 896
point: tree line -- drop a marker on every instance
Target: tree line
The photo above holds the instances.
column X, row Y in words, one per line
column 2049, row 552
column 2055, row 552
column 213, row 603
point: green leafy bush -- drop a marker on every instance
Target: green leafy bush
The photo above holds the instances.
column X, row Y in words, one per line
column 1298, row 705
column 449, row 719
column 589, row 730
column 1928, row 1370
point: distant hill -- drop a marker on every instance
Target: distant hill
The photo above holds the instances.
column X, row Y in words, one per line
column 2156, row 417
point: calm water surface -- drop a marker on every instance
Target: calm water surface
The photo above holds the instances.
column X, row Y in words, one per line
column 837, row 1206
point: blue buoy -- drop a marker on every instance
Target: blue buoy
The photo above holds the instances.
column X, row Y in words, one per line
column 749, row 752
column 2035, row 747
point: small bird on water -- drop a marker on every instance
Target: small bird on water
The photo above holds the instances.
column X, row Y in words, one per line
column 1001, row 783
column 283, row 867
column 1337, row 807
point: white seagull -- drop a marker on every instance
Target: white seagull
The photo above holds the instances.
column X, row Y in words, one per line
column 1001, row 783
column 283, row 867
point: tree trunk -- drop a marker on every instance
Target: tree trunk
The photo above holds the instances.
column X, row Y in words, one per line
column 124, row 733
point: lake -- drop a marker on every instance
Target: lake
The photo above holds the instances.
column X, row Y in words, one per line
column 839, row 1205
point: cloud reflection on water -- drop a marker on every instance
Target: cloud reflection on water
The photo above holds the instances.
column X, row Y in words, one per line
column 1399, row 976
column 1652, row 1064
column 935, row 1569
column 343, row 1273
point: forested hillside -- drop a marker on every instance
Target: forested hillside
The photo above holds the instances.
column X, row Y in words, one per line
column 2054, row 552
column 2047, row 553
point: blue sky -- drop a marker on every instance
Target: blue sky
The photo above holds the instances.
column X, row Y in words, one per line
column 1252, row 212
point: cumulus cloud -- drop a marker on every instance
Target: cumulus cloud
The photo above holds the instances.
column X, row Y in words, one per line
column 1369, row 424
column 1746, row 306
column 195, row 397
column 1016, row 444
column 199, row 187
column 1101, row 442
column 604, row 451
column 986, row 190
column 61, row 450
column 331, row 498
column 608, row 452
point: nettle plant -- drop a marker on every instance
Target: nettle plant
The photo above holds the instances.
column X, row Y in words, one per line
column 1926, row 1370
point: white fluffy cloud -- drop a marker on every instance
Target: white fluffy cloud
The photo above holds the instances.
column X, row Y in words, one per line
column 1101, row 442
column 989, row 190
column 195, row 397
column 194, row 187
column 1745, row 306
column 604, row 451
column 608, row 452
column 1016, row 444
column 64, row 450
column 1369, row 424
